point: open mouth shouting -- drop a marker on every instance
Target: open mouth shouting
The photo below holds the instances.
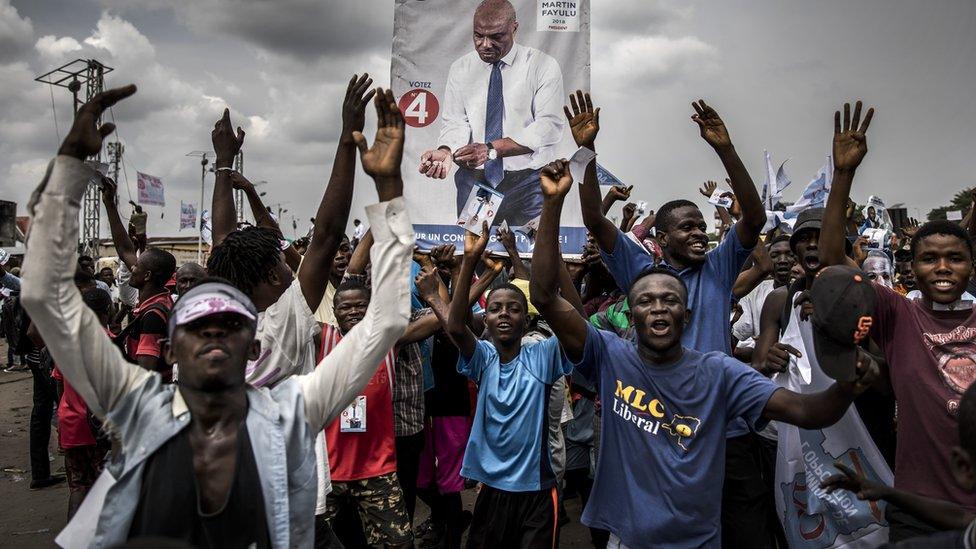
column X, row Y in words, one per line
column 660, row 327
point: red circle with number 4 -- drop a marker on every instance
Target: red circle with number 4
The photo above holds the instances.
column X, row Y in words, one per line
column 419, row 108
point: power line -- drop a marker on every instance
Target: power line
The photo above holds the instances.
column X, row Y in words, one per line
column 57, row 131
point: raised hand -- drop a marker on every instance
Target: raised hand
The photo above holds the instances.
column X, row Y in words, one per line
column 84, row 139
column 910, row 228
column 863, row 488
column 382, row 160
column 443, row 256
column 630, row 209
column 708, row 188
column 507, row 238
column 109, row 189
column 428, row 283
column 435, row 163
column 556, row 179
column 850, row 143
column 710, row 124
column 240, row 182
column 584, row 120
column 475, row 244
column 226, row 144
column 619, row 193
column 358, row 95
column 761, row 256
column 491, row 263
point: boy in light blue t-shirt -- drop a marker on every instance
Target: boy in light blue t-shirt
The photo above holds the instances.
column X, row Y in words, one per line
column 508, row 450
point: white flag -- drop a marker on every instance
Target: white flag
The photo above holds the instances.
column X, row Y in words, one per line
column 817, row 191
column 776, row 181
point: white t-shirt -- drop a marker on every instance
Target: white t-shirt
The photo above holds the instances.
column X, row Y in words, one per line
column 748, row 325
column 286, row 331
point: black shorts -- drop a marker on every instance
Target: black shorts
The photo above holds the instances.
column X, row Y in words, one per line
column 514, row 519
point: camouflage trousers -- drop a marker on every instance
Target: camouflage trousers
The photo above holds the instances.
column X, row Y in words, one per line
column 379, row 501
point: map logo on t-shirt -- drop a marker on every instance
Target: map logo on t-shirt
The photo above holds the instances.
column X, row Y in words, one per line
column 683, row 428
column 955, row 353
column 645, row 413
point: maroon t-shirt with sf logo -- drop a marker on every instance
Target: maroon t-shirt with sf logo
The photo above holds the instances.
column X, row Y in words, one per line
column 932, row 360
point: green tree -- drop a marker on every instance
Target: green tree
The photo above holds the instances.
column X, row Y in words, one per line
column 962, row 202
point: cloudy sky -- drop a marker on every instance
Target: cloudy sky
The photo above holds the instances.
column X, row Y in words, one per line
column 775, row 70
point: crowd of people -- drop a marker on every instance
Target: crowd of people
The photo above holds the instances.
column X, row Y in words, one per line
column 308, row 393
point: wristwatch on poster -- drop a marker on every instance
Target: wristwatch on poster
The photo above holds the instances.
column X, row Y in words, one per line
column 492, row 153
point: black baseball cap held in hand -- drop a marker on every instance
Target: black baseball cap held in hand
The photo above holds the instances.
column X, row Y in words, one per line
column 843, row 312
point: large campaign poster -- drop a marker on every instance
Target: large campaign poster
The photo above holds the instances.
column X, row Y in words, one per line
column 467, row 75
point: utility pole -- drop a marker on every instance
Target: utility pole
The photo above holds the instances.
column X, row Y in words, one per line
column 90, row 73
column 239, row 194
column 203, row 181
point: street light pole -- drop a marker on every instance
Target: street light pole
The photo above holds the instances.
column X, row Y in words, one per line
column 203, row 181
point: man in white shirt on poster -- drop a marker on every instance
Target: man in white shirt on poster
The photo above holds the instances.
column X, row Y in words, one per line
column 502, row 117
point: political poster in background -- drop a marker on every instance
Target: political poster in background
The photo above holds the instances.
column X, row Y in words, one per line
column 188, row 215
column 482, row 91
column 150, row 189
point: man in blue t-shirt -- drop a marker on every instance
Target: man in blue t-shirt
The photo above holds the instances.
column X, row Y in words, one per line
column 508, row 450
column 666, row 407
column 709, row 276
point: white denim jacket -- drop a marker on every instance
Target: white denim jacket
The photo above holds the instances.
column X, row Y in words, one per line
column 282, row 422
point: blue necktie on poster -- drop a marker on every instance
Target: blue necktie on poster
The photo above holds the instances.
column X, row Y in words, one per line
column 494, row 170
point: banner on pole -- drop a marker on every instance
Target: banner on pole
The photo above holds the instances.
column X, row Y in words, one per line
column 188, row 215
column 457, row 96
column 150, row 189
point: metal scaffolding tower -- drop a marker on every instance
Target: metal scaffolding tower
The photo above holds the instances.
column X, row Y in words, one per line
column 239, row 195
column 90, row 73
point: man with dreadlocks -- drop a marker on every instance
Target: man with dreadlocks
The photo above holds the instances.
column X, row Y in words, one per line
column 252, row 260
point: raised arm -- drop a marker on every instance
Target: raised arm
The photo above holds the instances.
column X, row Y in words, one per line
column 714, row 132
column 850, row 146
column 226, row 145
column 348, row 368
column 262, row 217
column 519, row 268
column 457, row 320
column 819, row 410
column 333, row 212
column 120, row 237
column 616, row 193
column 584, row 123
column 565, row 320
column 751, row 277
column 89, row 360
column 360, row 256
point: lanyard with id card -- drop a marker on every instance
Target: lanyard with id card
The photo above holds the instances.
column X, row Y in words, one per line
column 353, row 418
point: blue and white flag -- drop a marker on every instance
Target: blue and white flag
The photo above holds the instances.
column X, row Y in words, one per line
column 817, row 191
column 604, row 177
column 776, row 182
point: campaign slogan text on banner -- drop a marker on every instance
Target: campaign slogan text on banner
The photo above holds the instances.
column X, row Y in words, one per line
column 457, row 96
column 150, row 189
